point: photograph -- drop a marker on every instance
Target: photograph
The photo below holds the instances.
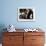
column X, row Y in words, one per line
column 26, row 14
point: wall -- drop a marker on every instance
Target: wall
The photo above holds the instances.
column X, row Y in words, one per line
column 9, row 13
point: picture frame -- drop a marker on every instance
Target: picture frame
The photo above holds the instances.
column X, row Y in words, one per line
column 26, row 14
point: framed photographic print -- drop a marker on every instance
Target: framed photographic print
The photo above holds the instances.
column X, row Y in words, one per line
column 26, row 14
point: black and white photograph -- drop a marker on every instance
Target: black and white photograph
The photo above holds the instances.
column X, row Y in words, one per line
column 26, row 14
